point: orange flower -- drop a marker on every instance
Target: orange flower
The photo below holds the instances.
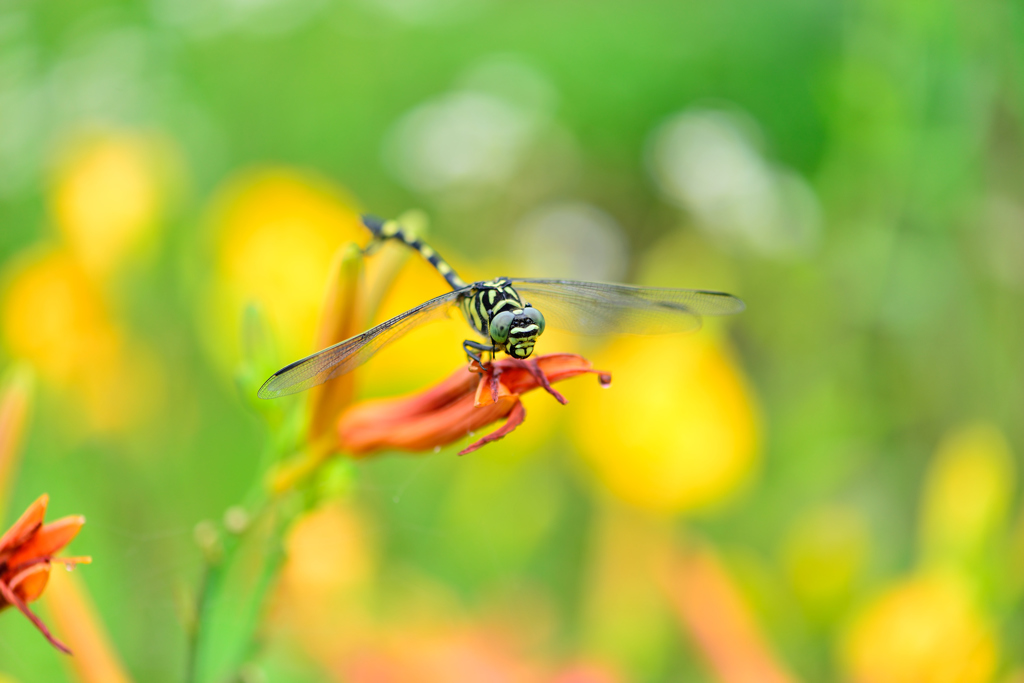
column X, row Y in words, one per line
column 710, row 605
column 26, row 555
column 468, row 400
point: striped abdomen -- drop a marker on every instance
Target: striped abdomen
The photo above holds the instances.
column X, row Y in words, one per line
column 517, row 329
column 392, row 230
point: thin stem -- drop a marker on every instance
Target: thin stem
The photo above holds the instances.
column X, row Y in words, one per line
column 275, row 559
column 192, row 653
column 213, row 585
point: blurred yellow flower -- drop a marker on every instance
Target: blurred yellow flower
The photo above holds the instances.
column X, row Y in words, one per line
column 677, row 429
column 824, row 555
column 53, row 316
column 923, row 630
column 276, row 233
column 107, row 196
column 967, row 491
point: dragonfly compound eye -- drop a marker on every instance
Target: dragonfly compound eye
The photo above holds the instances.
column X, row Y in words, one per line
column 500, row 326
column 536, row 316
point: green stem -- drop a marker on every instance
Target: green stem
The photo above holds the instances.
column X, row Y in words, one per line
column 202, row 598
column 218, row 611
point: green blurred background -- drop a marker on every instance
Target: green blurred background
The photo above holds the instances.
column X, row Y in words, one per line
column 842, row 457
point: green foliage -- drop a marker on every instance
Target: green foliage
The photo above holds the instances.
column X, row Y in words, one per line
column 883, row 277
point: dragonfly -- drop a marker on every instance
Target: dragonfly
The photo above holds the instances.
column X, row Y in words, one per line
column 506, row 314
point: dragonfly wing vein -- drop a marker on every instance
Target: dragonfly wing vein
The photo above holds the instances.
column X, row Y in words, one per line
column 599, row 308
column 347, row 355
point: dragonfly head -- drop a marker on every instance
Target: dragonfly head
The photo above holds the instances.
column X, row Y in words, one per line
column 517, row 331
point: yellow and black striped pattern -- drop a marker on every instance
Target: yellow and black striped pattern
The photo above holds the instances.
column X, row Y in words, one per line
column 392, row 230
column 483, row 300
column 488, row 300
column 522, row 338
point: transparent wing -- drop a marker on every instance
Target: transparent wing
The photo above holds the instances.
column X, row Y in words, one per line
column 348, row 355
column 598, row 308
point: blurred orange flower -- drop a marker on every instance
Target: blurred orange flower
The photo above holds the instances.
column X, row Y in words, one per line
column 711, row 607
column 457, row 406
column 586, row 673
column 459, row 656
column 330, row 564
column 465, row 653
column 26, row 555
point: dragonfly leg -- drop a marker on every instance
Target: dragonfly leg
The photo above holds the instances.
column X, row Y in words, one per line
column 477, row 346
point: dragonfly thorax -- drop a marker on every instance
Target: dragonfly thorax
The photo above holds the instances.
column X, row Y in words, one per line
column 497, row 311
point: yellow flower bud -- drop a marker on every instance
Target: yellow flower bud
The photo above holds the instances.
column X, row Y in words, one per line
column 923, row 630
column 967, row 491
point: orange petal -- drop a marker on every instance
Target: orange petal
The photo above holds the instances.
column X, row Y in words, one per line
column 426, row 431
column 48, row 540
column 515, row 418
column 28, row 524
column 30, row 583
column 489, row 390
column 396, row 410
